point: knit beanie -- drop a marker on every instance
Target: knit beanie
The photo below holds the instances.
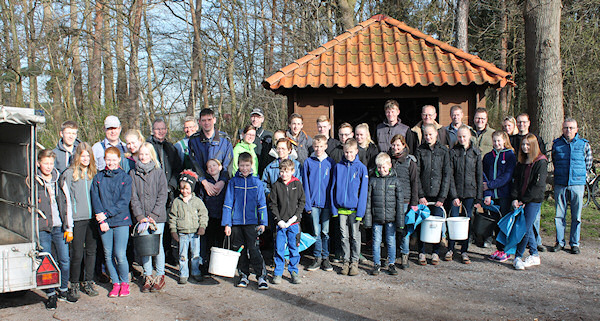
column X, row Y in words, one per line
column 189, row 177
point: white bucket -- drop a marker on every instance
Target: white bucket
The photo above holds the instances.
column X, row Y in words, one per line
column 223, row 262
column 431, row 229
column 458, row 228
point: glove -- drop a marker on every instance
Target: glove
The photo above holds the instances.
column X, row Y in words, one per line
column 291, row 221
column 175, row 236
column 68, row 236
column 201, row 231
column 281, row 225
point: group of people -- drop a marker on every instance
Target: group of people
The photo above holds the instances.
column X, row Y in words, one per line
column 203, row 189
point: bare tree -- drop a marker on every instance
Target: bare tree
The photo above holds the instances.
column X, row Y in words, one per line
column 461, row 40
column 346, row 13
column 134, row 82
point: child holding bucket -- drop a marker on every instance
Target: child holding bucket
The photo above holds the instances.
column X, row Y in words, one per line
column 188, row 220
column 244, row 217
column 498, row 168
column 213, row 200
column 148, row 204
column 433, row 161
column 466, row 187
column 286, row 202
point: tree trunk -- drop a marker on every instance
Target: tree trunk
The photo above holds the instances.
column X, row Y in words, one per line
column 30, row 34
column 77, row 73
column 109, row 74
column 95, row 65
column 462, row 20
column 503, row 54
column 122, row 91
column 346, row 12
column 134, row 83
column 196, row 11
column 543, row 67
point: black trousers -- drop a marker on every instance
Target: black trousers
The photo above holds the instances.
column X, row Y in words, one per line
column 246, row 235
column 83, row 249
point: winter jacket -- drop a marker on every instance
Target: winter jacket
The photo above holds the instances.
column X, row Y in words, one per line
column 203, row 148
column 484, row 140
column 569, row 161
column 301, row 144
column 243, row 147
column 44, row 190
column 418, row 136
column 214, row 204
column 169, row 161
column 349, row 187
column 434, row 171
column 498, row 168
column 245, row 202
column 405, row 167
column 187, row 217
column 337, row 154
column 149, row 192
column 99, row 148
column 286, row 200
column 367, row 156
column 385, row 201
column 467, row 173
column 63, row 156
column 385, row 133
column 317, row 181
column 79, row 192
column 535, row 183
column 271, row 174
column 111, row 194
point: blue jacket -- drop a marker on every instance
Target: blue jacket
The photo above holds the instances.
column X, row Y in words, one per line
column 271, row 174
column 498, row 168
column 214, row 204
column 111, row 194
column 569, row 161
column 317, row 181
column 350, row 186
column 245, row 202
column 202, row 148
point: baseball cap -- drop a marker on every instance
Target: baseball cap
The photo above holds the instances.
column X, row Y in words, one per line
column 257, row 111
column 111, row 122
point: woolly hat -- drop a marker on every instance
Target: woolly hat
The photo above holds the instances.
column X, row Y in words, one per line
column 189, row 177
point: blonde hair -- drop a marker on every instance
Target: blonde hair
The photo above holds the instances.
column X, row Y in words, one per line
column 138, row 134
column 152, row 153
column 504, row 135
column 512, row 120
column 322, row 119
column 78, row 169
column 364, row 126
column 383, row 158
column 320, row 138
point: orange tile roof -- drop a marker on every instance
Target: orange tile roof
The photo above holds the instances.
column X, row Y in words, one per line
column 386, row 52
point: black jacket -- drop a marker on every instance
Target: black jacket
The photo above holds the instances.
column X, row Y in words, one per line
column 434, row 171
column 467, row 173
column 286, row 201
column 169, row 160
column 385, row 201
column 405, row 166
column 367, row 156
column 536, row 183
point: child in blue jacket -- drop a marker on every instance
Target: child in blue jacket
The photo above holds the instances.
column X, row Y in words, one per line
column 349, row 200
column 271, row 172
column 244, row 217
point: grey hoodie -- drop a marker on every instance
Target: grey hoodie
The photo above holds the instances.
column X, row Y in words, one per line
column 79, row 190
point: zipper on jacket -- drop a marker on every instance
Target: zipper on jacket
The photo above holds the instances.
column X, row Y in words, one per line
column 245, row 202
column 319, row 184
column 496, row 172
column 347, row 183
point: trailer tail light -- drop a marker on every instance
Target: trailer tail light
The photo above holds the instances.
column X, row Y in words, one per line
column 47, row 272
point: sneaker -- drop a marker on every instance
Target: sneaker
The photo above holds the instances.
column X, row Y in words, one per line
column 404, row 261
column 51, row 302
column 448, row 256
column 182, row 280
column 262, row 284
column 519, row 264
column 541, row 248
column 148, row 282
column 159, row 284
column 337, row 259
column 345, row 268
column 89, row 288
column 532, row 260
column 326, row 265
column 67, row 296
column 276, row 279
column 243, row 283
column 353, row 269
column 124, row 291
column 556, row 248
column 494, row 256
column 316, row 264
column 296, row 278
column 376, row 269
column 392, row 269
column 422, row 259
column 115, row 291
column 502, row 257
column 575, row 249
column 465, row 258
column 435, row 259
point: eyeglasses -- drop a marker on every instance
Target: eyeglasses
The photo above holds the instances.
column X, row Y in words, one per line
column 428, row 115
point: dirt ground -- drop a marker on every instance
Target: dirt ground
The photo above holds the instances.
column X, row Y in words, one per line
column 564, row 287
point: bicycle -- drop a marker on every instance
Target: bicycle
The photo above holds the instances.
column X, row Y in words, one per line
column 592, row 192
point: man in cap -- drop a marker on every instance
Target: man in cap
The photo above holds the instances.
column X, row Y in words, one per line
column 262, row 140
column 112, row 131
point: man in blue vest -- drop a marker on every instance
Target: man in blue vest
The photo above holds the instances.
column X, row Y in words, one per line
column 572, row 158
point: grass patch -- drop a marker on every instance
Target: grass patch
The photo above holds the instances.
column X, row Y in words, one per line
column 590, row 221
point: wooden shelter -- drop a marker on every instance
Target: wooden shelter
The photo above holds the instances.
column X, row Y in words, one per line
column 350, row 77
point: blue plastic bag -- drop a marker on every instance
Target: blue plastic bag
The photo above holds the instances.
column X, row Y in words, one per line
column 512, row 230
column 412, row 219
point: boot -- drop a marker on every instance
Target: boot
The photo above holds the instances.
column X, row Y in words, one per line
column 353, row 269
column 345, row 268
column 159, row 284
column 404, row 261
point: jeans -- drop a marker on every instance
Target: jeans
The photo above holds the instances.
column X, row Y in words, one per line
column 536, row 227
column 115, row 247
column 320, row 220
column 83, row 250
column 454, row 212
column 286, row 236
column 188, row 242
column 350, row 237
column 390, row 240
column 246, row 235
column 159, row 261
column 404, row 239
column 435, row 211
column 56, row 238
column 530, row 212
column 573, row 194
